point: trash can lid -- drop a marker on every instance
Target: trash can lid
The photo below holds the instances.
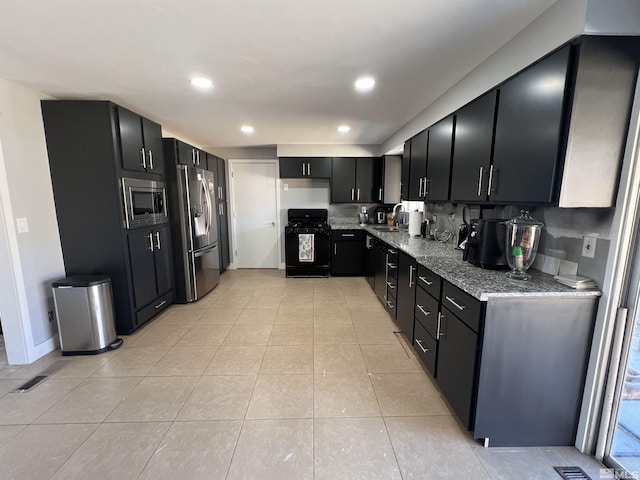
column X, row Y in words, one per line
column 81, row 281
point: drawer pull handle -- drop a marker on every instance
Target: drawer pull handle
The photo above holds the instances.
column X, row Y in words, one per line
column 424, row 279
column 426, row 313
column 390, row 305
column 452, row 300
column 393, row 252
column 391, row 285
column 348, row 235
column 160, row 304
column 392, row 265
column 424, row 350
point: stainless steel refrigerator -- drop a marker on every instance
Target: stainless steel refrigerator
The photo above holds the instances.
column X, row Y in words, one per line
column 194, row 232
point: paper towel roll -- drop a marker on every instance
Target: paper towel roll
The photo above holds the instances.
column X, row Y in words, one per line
column 415, row 221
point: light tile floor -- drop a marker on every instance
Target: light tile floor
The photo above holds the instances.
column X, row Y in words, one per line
column 265, row 378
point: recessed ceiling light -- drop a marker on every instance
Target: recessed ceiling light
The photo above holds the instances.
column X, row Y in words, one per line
column 344, row 128
column 247, row 129
column 365, row 84
column 201, row 82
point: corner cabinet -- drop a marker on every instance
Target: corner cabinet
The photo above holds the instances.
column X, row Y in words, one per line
column 89, row 205
column 305, row 167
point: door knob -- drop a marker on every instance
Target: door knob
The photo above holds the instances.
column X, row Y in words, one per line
column 273, row 223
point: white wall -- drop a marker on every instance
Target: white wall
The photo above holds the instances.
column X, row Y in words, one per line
column 562, row 22
column 328, row 150
column 36, row 256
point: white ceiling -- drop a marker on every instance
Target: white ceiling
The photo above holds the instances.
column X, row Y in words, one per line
column 286, row 67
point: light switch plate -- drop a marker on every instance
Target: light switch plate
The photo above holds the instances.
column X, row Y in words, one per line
column 589, row 246
column 22, row 224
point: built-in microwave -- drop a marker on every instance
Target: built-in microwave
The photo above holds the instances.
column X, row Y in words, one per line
column 145, row 202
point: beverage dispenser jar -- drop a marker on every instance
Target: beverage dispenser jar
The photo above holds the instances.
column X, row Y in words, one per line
column 522, row 237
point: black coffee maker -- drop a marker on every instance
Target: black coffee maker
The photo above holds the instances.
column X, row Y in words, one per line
column 486, row 243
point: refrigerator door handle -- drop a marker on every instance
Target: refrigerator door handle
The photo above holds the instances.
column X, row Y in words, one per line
column 185, row 174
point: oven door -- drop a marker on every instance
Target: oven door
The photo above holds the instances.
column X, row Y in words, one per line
column 321, row 250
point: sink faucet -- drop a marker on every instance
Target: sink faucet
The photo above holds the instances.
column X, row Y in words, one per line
column 395, row 213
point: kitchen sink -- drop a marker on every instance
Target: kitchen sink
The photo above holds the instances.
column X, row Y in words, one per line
column 385, row 228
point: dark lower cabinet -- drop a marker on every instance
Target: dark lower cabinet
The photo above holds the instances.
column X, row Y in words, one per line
column 380, row 271
column 406, row 294
column 347, row 256
column 457, row 359
column 369, row 261
column 151, row 263
column 426, row 346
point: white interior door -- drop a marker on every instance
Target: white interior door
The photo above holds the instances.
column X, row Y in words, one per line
column 255, row 234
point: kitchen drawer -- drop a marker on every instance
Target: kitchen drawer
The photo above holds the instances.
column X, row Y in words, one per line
column 392, row 304
column 463, row 305
column 426, row 346
column 345, row 235
column 392, row 286
column 147, row 313
column 429, row 281
column 426, row 311
column 392, row 268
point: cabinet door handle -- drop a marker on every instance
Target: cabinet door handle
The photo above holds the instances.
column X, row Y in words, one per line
column 380, row 195
column 308, row 169
column 411, row 269
column 438, row 331
column 424, row 279
column 198, row 157
column 303, row 174
column 424, row 350
column 420, row 188
column 335, row 249
column 453, row 301
column 358, row 195
column 490, row 186
column 426, row 182
column 391, row 285
column 426, row 314
column 144, row 158
column 480, row 181
column 158, row 240
column 151, row 242
column 150, row 159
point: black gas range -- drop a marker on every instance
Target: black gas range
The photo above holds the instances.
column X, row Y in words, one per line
column 307, row 242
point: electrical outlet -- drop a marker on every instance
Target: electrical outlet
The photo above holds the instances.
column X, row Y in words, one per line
column 589, row 246
column 51, row 315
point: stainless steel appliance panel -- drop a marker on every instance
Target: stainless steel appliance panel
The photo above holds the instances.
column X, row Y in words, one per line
column 200, row 191
column 206, row 273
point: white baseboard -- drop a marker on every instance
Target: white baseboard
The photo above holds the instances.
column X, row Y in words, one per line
column 282, row 266
column 43, row 348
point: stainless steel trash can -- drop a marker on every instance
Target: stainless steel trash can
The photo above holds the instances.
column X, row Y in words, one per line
column 84, row 312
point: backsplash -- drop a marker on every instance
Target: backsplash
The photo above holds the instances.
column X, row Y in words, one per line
column 562, row 235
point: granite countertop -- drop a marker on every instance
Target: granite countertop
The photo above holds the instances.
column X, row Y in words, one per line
column 444, row 260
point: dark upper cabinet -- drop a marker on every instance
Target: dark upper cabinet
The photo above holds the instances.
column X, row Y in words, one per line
column 356, row 179
column 188, row 155
column 343, row 180
column 529, row 130
column 369, row 179
column 140, row 142
column 305, row 167
column 472, row 149
column 418, row 167
column 438, row 181
column 406, row 167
